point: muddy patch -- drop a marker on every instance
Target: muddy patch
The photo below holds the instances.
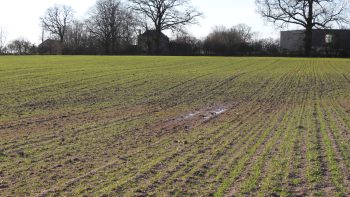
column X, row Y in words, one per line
column 192, row 119
column 207, row 113
column 215, row 112
column 204, row 115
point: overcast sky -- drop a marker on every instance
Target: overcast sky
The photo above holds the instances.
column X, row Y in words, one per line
column 20, row 18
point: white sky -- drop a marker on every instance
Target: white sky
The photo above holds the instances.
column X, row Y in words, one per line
column 20, row 18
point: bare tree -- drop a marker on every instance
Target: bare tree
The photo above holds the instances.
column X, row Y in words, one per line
column 57, row 19
column 76, row 37
column 11, row 48
column 129, row 25
column 229, row 41
column 306, row 13
column 185, row 44
column 246, row 33
column 166, row 14
column 110, row 23
column 3, row 36
column 20, row 46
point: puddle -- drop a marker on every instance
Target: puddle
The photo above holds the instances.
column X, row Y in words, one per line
column 214, row 113
column 191, row 115
column 220, row 111
column 192, row 119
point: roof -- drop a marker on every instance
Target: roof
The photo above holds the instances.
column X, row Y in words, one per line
column 153, row 33
column 50, row 42
column 321, row 30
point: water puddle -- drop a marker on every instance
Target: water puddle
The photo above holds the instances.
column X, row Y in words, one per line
column 191, row 115
column 220, row 111
column 214, row 113
column 192, row 119
column 205, row 114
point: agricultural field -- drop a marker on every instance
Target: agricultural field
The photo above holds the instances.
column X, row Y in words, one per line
column 174, row 126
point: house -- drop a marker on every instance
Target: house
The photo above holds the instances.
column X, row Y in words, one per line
column 50, row 47
column 147, row 43
column 324, row 41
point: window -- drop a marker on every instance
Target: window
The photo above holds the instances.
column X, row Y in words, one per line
column 329, row 39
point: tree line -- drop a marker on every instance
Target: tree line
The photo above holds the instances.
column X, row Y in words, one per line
column 221, row 41
column 112, row 27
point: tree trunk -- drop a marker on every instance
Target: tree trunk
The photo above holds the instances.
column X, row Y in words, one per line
column 107, row 48
column 157, row 41
column 61, row 43
column 61, row 39
column 113, row 45
column 308, row 41
column 308, row 31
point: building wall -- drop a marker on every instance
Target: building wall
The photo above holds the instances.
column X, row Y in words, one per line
column 341, row 39
column 50, row 47
column 293, row 41
column 147, row 43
